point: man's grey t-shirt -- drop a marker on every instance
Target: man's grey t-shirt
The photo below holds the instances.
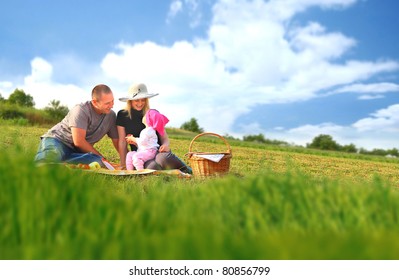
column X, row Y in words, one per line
column 83, row 116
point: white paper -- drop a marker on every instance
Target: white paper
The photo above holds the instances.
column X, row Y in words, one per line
column 211, row 157
column 108, row 165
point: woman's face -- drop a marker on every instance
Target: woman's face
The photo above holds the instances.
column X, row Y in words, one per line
column 138, row 104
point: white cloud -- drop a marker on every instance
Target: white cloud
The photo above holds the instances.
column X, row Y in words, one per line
column 174, row 8
column 324, row 128
column 43, row 85
column 284, row 10
column 192, row 7
column 40, row 86
column 5, row 84
column 370, row 88
column 313, row 43
column 5, row 88
column 194, row 12
column 304, row 134
column 383, row 120
column 41, row 71
column 185, row 74
column 368, row 91
column 370, row 97
column 380, row 130
column 379, row 137
column 253, row 54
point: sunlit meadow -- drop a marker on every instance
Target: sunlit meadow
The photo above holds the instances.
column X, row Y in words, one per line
column 276, row 203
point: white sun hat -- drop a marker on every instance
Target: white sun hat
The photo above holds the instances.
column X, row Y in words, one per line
column 137, row 91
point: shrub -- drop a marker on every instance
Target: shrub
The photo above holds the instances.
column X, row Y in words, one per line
column 56, row 111
column 192, row 125
column 8, row 112
column 324, row 142
column 29, row 115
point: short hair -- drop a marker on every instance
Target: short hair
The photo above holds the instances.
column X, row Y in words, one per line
column 98, row 90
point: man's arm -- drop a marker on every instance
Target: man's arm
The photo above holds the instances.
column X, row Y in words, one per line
column 115, row 142
column 80, row 142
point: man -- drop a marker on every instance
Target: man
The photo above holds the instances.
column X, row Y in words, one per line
column 72, row 140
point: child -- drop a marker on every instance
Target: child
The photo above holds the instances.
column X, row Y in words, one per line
column 147, row 143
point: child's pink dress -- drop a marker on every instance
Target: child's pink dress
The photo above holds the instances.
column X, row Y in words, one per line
column 147, row 143
column 147, row 148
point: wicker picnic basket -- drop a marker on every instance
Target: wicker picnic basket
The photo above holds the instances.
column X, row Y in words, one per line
column 203, row 167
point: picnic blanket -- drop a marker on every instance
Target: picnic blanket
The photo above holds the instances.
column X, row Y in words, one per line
column 117, row 171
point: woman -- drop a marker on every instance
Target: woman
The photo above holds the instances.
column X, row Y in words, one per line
column 129, row 122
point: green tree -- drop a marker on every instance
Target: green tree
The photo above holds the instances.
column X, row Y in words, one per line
column 192, row 125
column 351, row 148
column 324, row 142
column 55, row 110
column 255, row 138
column 363, row 151
column 393, row 152
column 19, row 97
column 1, row 98
column 260, row 138
column 379, row 152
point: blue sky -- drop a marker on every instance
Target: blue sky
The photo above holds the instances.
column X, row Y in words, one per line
column 288, row 69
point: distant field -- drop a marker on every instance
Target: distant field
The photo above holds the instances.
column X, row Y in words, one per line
column 277, row 203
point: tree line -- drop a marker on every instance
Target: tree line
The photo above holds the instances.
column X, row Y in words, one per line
column 20, row 106
column 15, row 108
column 326, row 142
column 320, row 142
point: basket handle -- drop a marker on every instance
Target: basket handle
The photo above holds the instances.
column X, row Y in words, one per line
column 213, row 134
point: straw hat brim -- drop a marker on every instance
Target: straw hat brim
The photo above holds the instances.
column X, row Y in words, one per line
column 139, row 95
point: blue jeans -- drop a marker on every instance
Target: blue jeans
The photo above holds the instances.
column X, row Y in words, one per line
column 52, row 150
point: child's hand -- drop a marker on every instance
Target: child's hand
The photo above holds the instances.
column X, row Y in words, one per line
column 130, row 139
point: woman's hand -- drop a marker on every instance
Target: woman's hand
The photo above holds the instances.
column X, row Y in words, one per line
column 130, row 139
column 164, row 149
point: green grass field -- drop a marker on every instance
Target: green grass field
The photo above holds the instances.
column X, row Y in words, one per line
column 277, row 203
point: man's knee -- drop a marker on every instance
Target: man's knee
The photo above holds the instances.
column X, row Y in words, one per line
column 48, row 151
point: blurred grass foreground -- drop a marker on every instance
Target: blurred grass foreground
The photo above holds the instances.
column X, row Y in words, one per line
column 51, row 212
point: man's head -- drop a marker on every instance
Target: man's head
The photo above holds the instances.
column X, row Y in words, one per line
column 102, row 99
